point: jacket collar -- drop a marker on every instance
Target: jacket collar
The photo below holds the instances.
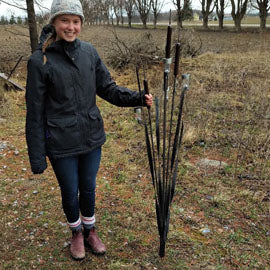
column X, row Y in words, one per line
column 67, row 46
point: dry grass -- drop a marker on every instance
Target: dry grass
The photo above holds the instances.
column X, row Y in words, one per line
column 227, row 119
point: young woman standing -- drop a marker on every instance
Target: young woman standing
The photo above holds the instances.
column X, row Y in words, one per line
column 63, row 121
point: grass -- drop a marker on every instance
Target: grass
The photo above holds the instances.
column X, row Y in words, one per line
column 226, row 119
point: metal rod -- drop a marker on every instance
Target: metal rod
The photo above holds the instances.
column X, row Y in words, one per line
column 176, row 70
column 185, row 87
column 157, row 126
column 174, row 176
column 167, row 63
column 11, row 72
column 146, row 89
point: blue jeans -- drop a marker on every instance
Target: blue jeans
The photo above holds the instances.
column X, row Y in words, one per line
column 77, row 175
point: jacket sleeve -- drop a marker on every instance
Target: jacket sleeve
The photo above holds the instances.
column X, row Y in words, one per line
column 35, row 99
column 110, row 91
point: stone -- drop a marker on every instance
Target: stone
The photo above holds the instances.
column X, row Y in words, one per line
column 3, row 146
column 205, row 231
column 205, row 162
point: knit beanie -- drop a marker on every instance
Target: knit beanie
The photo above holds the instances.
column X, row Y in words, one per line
column 60, row 7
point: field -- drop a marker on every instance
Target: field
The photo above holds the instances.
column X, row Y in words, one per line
column 220, row 216
column 247, row 20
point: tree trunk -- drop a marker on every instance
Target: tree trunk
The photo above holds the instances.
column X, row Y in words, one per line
column 263, row 18
column 155, row 20
column 220, row 22
column 32, row 24
column 144, row 25
column 179, row 19
column 129, row 21
column 122, row 19
column 155, row 23
column 205, row 22
column 144, row 21
column 237, row 23
column 220, row 7
column 179, row 24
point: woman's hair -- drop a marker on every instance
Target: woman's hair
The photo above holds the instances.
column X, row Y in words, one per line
column 48, row 41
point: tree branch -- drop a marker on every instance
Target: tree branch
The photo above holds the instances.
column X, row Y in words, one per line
column 13, row 5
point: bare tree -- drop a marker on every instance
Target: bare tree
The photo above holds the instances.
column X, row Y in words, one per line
column 239, row 9
column 220, row 11
column 181, row 7
column 207, row 8
column 129, row 7
column 143, row 7
column 32, row 24
column 96, row 11
column 105, row 6
column 122, row 7
column 116, row 10
column 263, row 6
column 117, row 6
column 157, row 5
column 88, row 10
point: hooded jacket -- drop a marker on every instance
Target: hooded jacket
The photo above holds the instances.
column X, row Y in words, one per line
column 62, row 116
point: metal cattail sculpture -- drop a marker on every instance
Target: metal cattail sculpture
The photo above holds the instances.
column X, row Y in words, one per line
column 162, row 151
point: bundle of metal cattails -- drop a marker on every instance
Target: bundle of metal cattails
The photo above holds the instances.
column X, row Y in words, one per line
column 163, row 134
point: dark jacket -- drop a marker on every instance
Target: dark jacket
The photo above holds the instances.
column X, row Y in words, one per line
column 62, row 116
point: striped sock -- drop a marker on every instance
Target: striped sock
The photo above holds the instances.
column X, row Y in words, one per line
column 75, row 226
column 88, row 222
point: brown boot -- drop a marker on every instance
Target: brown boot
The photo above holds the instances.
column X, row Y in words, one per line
column 77, row 246
column 94, row 242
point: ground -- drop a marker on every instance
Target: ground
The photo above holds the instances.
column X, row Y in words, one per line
column 219, row 216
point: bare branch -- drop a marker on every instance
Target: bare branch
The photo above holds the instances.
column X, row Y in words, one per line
column 13, row 5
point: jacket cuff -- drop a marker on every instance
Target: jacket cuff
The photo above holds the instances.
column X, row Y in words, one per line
column 38, row 168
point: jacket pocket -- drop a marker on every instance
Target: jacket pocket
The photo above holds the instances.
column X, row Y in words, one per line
column 62, row 133
column 96, row 125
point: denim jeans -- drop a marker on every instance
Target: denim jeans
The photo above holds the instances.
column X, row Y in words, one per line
column 76, row 176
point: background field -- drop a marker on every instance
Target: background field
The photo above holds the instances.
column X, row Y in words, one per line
column 226, row 119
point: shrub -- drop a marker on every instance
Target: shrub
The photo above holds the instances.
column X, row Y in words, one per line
column 142, row 50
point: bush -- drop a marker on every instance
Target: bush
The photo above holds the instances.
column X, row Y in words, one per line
column 146, row 50
column 190, row 42
column 143, row 50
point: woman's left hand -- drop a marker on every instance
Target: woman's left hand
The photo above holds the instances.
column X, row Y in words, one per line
column 148, row 100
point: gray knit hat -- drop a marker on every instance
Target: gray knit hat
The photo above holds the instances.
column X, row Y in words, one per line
column 60, row 7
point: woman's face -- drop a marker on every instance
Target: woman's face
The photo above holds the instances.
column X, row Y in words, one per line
column 67, row 27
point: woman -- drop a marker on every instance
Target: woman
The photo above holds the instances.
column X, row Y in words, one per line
column 63, row 121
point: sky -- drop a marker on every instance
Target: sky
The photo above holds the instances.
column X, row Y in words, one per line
column 8, row 11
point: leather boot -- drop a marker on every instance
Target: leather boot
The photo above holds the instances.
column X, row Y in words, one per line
column 77, row 246
column 94, row 242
